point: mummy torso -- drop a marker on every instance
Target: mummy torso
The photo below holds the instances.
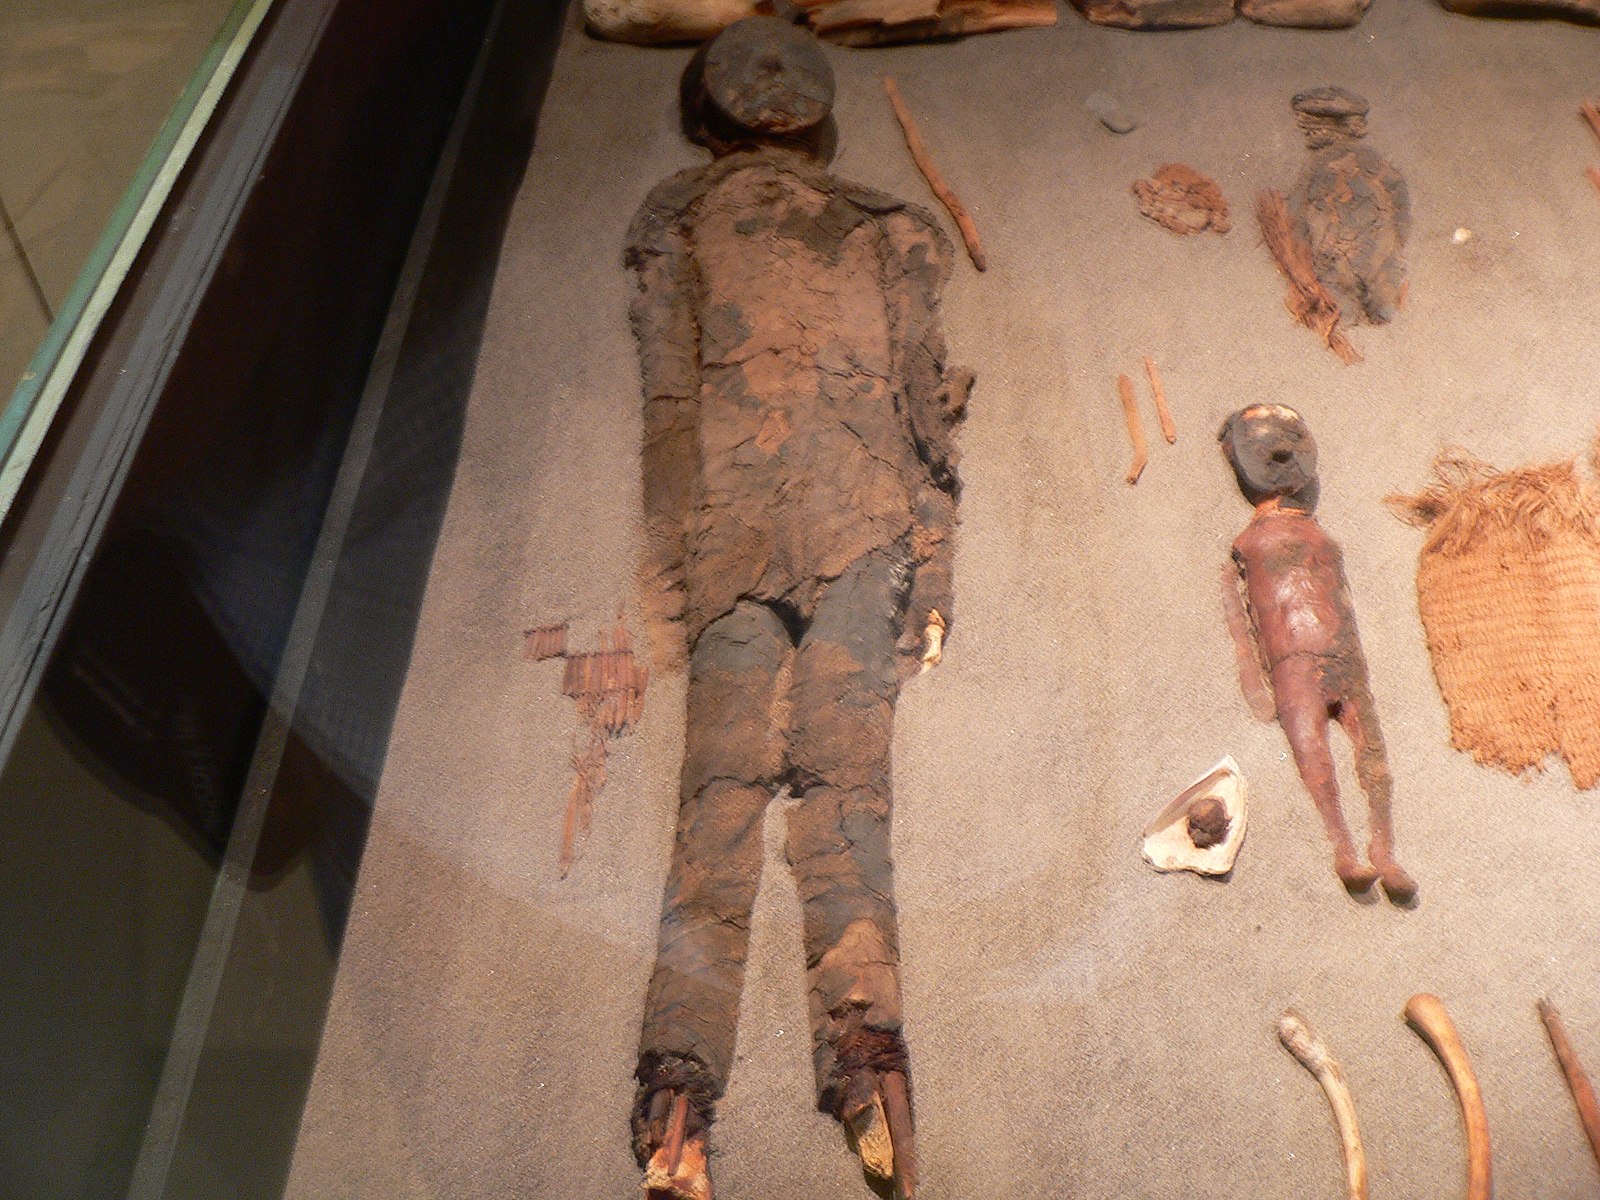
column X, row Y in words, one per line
column 1295, row 585
column 1355, row 214
column 807, row 456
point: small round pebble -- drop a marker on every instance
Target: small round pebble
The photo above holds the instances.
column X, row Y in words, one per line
column 1110, row 112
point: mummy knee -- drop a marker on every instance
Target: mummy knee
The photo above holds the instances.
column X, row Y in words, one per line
column 830, row 821
column 735, row 670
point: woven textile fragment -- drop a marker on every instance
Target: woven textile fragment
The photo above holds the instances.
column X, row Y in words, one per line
column 1509, row 589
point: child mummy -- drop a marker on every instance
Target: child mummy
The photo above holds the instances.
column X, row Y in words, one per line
column 1353, row 207
column 1294, row 627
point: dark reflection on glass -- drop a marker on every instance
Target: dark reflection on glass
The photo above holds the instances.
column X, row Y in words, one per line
column 117, row 805
column 102, row 901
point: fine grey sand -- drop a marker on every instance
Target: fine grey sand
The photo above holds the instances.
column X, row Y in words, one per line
column 1079, row 1025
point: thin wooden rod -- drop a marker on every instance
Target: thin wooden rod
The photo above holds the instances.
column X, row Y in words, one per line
column 1169, row 429
column 941, row 189
column 1130, row 410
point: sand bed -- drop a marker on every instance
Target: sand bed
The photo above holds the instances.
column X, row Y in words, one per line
column 1079, row 1025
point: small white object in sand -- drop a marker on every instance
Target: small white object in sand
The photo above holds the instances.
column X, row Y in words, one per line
column 1169, row 843
column 1462, row 236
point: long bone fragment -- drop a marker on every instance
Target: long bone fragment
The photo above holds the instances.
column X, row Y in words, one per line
column 1426, row 1014
column 1577, row 1080
column 1312, row 1052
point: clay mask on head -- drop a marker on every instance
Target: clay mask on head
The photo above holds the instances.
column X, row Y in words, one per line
column 768, row 77
column 760, row 82
column 1272, row 454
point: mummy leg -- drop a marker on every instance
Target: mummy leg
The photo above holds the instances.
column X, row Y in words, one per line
column 839, row 847
column 732, row 763
column 1359, row 716
column 1303, row 713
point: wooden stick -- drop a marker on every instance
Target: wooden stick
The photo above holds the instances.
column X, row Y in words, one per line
column 1163, row 413
column 1130, row 410
column 1577, row 1081
column 1428, row 1017
column 897, row 1114
column 941, row 189
column 677, row 1126
column 1313, row 1054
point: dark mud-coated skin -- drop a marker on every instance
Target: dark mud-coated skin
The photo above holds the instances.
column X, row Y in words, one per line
column 1354, row 211
column 800, row 497
column 1302, row 626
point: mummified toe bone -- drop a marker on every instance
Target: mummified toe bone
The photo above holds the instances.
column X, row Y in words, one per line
column 1315, row 1057
column 1428, row 1017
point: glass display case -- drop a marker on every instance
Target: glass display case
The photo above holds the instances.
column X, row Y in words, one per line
column 101, row 105
column 186, row 524
column 518, row 494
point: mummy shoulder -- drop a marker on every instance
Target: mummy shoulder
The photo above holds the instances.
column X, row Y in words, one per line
column 656, row 225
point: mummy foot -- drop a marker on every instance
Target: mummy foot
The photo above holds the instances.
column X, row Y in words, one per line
column 877, row 1122
column 687, row 1179
column 678, row 1168
column 867, row 1131
column 1397, row 883
column 1355, row 875
column 897, row 1109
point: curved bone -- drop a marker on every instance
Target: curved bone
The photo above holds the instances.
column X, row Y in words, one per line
column 1314, row 1056
column 1428, row 1017
column 1577, row 1081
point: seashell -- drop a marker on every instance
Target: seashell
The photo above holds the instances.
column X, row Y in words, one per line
column 1202, row 829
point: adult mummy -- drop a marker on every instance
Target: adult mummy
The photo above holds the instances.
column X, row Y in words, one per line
column 800, row 493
